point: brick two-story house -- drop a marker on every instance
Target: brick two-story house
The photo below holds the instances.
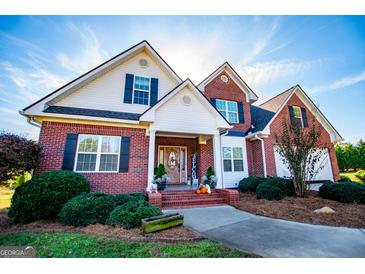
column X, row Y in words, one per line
column 117, row 122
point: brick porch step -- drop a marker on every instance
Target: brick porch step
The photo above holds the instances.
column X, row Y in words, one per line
column 188, row 198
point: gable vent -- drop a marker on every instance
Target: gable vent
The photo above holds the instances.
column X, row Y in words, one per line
column 186, row 100
column 224, row 79
column 143, row 63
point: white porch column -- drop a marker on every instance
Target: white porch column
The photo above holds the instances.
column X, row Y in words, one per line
column 151, row 157
column 217, row 154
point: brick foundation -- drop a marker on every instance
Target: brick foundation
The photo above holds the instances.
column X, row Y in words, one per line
column 155, row 199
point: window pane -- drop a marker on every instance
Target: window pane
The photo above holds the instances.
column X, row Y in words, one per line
column 142, row 83
column 86, row 162
column 108, row 162
column 232, row 106
column 237, row 152
column 297, row 113
column 232, row 117
column 110, row 144
column 227, row 165
column 238, row 165
column 140, row 97
column 88, row 143
column 227, row 153
column 223, row 113
column 220, row 104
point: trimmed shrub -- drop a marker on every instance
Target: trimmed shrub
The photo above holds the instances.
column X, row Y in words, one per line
column 250, row 184
column 344, row 178
column 361, row 175
column 87, row 208
column 130, row 214
column 269, row 191
column 286, row 185
column 44, row 195
column 121, row 199
column 344, row 192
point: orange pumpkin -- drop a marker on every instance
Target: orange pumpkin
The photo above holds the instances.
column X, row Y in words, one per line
column 198, row 191
column 203, row 190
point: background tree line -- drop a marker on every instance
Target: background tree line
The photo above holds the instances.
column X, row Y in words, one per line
column 351, row 156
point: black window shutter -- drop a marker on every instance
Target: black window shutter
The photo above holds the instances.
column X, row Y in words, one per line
column 304, row 116
column 213, row 101
column 124, row 154
column 128, row 89
column 241, row 114
column 154, row 91
column 69, row 152
column 291, row 114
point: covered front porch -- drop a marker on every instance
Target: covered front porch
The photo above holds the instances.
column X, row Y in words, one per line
column 185, row 156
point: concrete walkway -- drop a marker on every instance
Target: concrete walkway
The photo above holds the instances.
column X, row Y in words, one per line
column 272, row 237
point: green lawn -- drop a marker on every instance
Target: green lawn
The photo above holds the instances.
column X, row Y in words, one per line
column 352, row 176
column 75, row 245
column 5, row 197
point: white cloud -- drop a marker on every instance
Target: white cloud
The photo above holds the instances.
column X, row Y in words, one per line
column 89, row 55
column 31, row 82
column 261, row 42
column 338, row 84
column 261, row 74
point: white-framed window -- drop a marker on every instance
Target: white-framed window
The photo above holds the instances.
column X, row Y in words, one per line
column 141, row 90
column 97, row 153
column 297, row 111
column 229, row 110
column 232, row 159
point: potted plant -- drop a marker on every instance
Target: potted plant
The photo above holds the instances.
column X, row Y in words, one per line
column 160, row 178
column 210, row 178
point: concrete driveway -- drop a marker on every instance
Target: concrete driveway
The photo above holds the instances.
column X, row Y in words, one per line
column 272, row 237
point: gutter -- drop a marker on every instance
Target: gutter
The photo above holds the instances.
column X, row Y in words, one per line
column 30, row 119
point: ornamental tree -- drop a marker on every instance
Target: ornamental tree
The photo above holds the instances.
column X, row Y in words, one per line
column 301, row 150
column 17, row 156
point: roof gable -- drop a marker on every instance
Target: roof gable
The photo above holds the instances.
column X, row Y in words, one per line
column 227, row 68
column 173, row 102
column 273, row 105
column 91, row 75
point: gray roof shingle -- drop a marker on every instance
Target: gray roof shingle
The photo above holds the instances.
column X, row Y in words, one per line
column 92, row 112
column 260, row 117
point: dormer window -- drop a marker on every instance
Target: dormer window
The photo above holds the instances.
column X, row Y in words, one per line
column 141, row 90
column 228, row 109
column 298, row 115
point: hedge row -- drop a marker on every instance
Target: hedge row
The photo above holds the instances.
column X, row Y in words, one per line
column 272, row 188
column 65, row 194
column 344, row 192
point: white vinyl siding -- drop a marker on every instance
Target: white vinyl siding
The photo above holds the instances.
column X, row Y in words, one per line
column 229, row 110
column 97, row 153
column 107, row 91
column 236, row 159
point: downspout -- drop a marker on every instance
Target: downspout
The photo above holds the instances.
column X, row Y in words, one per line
column 263, row 153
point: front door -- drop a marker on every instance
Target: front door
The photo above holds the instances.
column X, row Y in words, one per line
column 174, row 160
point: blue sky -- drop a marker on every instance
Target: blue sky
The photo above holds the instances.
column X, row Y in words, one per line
column 324, row 54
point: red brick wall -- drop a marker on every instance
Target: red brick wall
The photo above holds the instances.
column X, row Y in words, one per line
column 53, row 138
column 229, row 91
column 275, row 128
column 205, row 158
column 254, row 158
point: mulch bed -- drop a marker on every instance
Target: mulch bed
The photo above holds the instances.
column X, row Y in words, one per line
column 173, row 235
column 301, row 210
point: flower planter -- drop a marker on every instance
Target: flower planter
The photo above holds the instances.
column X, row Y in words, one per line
column 162, row 222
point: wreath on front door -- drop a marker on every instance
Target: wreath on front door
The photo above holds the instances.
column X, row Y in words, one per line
column 172, row 160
